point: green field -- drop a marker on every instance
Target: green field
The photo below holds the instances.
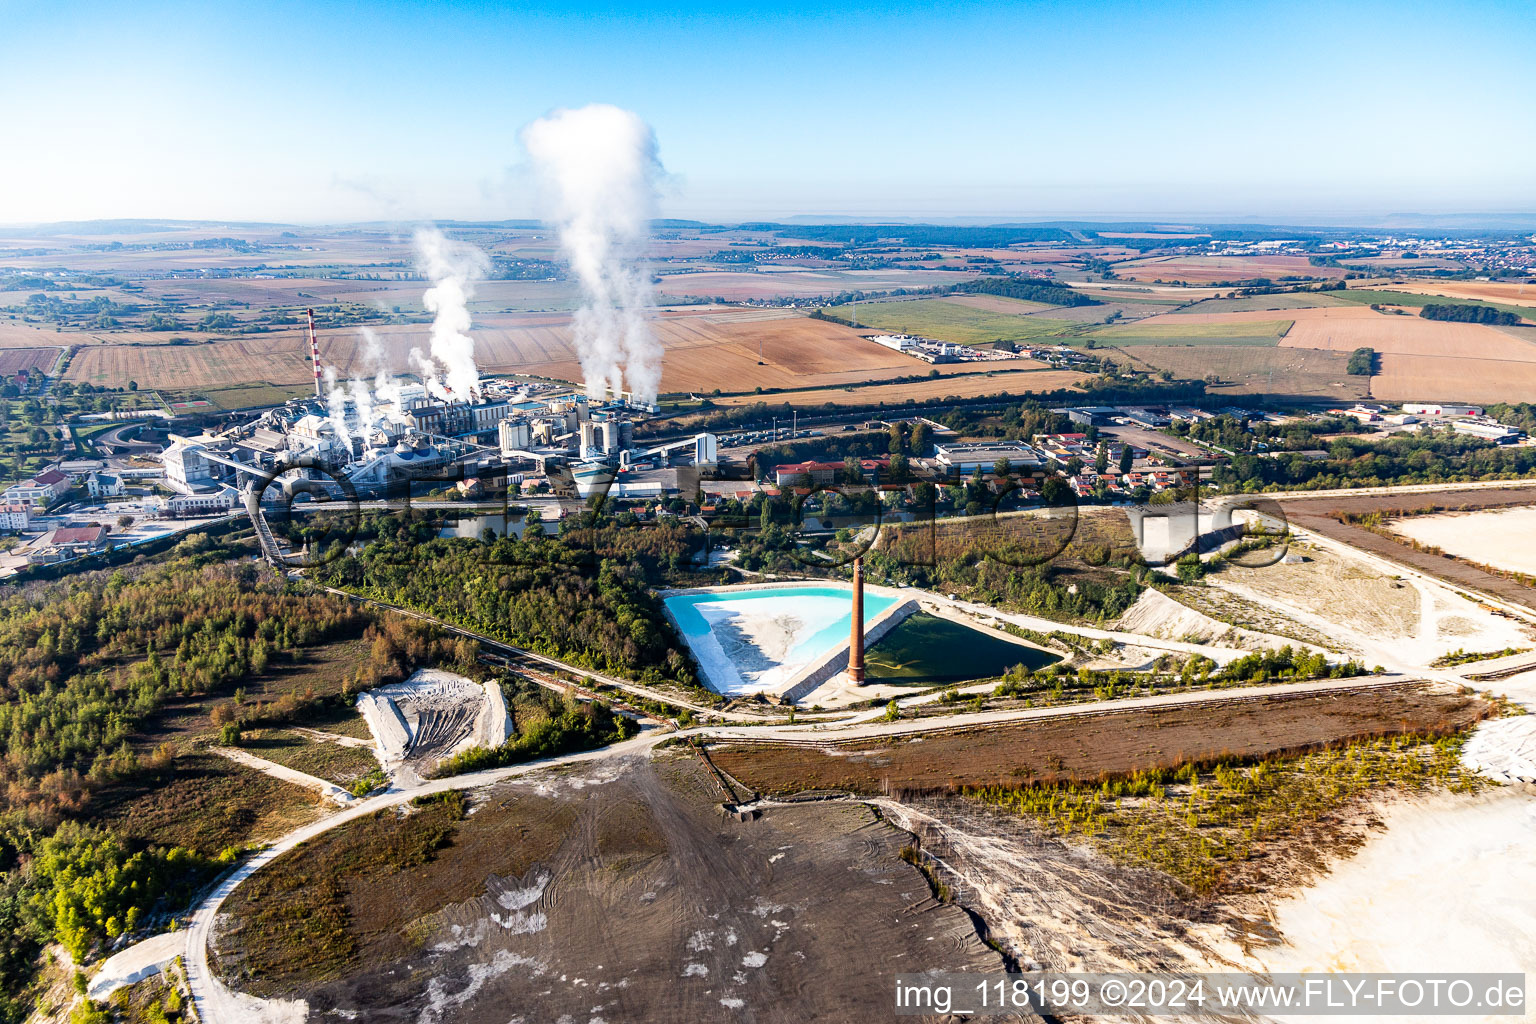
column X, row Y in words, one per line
column 1253, row 303
column 1257, row 332
column 1365, row 296
column 949, row 321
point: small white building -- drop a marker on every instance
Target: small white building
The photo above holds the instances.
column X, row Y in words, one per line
column 104, row 485
column 222, row 500
column 967, row 457
column 40, row 491
column 1487, row 430
column 15, row 516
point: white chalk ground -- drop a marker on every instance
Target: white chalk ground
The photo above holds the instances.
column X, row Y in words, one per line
column 761, row 644
column 327, row 788
column 143, row 959
column 430, row 716
column 1450, row 886
column 1437, row 619
column 1155, row 614
column 1498, row 537
column 840, row 691
column 1504, row 749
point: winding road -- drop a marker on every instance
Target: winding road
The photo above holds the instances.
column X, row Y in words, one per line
column 216, row 1004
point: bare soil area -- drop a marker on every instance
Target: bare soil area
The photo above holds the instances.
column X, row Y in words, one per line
column 1320, row 515
column 1344, row 591
column 619, row 892
column 1086, row 747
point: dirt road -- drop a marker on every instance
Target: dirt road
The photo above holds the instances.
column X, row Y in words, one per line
column 328, row 789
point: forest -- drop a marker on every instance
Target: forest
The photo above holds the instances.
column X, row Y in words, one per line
column 583, row 597
column 87, row 664
column 1467, row 313
column 1440, row 457
column 1027, row 289
column 1362, row 362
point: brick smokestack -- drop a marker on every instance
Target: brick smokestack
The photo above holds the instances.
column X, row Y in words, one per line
column 856, row 636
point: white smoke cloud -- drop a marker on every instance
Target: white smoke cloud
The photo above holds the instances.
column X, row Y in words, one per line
column 336, row 407
column 386, row 390
column 362, row 402
column 598, row 169
column 453, row 267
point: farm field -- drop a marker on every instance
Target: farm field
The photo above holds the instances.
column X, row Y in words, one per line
column 1159, row 294
column 1406, row 378
column 1017, row 382
column 299, row 292
column 1171, row 328
column 1254, row 370
column 1209, row 269
column 950, row 321
column 14, row 359
column 1418, row 296
column 997, row 303
column 738, row 285
column 1513, row 292
column 704, row 351
column 1345, row 328
column 1255, row 303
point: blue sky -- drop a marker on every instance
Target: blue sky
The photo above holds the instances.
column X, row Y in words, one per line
column 325, row 111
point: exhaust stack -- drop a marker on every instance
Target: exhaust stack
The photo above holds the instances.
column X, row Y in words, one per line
column 314, row 355
column 856, row 636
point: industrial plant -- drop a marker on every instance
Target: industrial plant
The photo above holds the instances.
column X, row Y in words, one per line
column 362, row 443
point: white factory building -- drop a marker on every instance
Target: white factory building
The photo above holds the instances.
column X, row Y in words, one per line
column 962, row 458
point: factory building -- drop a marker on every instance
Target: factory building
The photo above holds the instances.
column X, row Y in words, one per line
column 604, row 437
column 1437, row 409
column 1487, row 430
column 961, row 458
column 513, row 436
column 458, row 419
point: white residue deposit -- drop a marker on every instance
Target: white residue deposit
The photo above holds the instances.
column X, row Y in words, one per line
column 1504, row 749
column 1155, row 614
column 1499, row 537
column 1449, row 886
column 762, row 644
column 433, row 715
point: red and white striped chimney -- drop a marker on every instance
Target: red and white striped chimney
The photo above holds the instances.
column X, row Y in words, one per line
column 314, row 353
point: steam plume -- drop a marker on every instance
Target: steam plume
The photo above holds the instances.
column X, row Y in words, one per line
column 336, row 407
column 453, row 268
column 598, row 169
column 385, row 389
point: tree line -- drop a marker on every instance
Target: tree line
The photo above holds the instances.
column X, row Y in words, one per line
column 1466, row 313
